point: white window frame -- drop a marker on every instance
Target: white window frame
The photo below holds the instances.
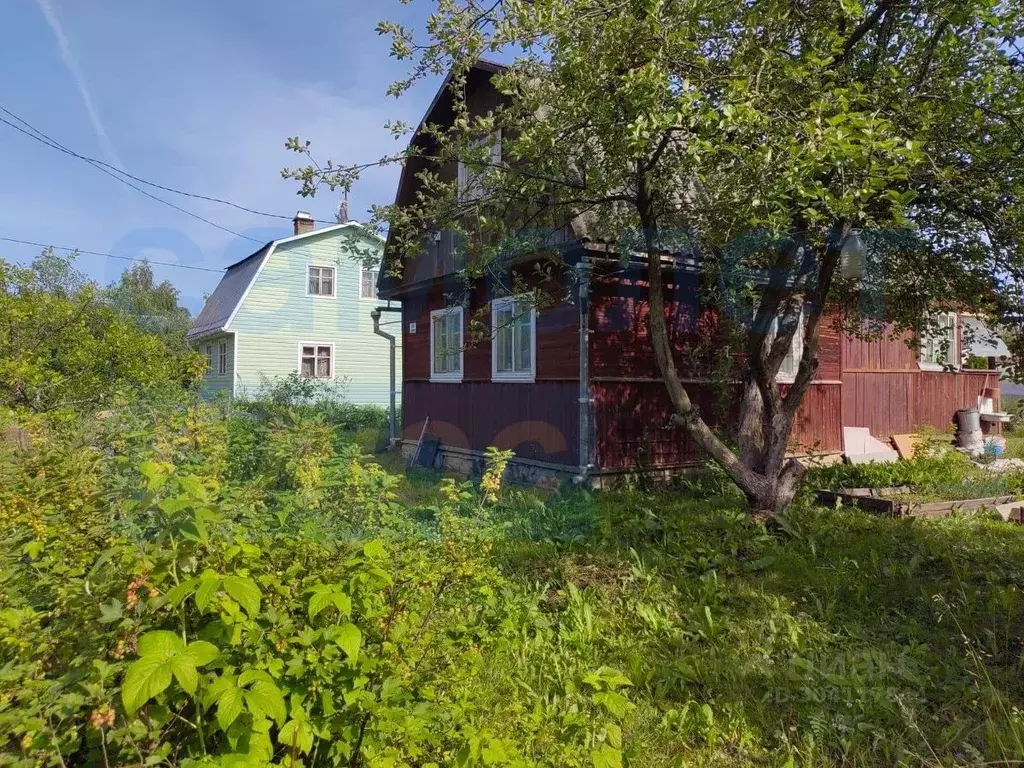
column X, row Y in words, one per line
column 929, row 346
column 334, row 281
column 468, row 183
column 796, row 349
column 520, row 376
column 222, row 359
column 363, row 268
column 448, row 376
column 315, row 344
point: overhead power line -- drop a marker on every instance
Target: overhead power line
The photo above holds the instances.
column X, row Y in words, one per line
column 56, row 145
column 123, row 176
column 110, row 255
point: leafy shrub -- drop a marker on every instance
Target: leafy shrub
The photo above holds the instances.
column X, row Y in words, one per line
column 153, row 609
column 63, row 348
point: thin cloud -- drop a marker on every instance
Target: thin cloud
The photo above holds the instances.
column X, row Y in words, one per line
column 50, row 14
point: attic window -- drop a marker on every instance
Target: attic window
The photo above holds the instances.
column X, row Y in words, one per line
column 367, row 283
column 321, row 282
column 938, row 342
column 470, row 182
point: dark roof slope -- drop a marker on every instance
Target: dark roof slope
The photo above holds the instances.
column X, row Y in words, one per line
column 228, row 294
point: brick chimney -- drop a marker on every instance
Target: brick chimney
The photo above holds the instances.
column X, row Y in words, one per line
column 303, row 223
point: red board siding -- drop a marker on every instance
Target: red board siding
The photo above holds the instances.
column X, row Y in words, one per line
column 539, row 421
column 620, row 336
column 558, row 350
column 631, row 416
column 898, row 403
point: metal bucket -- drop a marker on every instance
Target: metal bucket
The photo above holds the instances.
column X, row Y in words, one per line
column 969, row 420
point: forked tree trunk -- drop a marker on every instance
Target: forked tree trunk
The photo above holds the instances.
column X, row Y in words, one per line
column 760, row 467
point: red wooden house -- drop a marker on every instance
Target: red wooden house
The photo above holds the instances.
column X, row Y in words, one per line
column 573, row 387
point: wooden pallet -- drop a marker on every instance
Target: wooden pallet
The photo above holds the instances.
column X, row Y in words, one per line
column 873, row 500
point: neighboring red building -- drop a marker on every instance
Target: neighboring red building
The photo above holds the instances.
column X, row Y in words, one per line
column 574, row 389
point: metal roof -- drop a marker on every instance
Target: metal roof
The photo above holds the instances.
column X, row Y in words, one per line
column 229, row 292
column 981, row 340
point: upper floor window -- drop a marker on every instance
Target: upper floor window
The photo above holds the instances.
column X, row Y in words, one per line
column 222, row 367
column 938, row 342
column 316, row 361
column 513, row 339
column 470, row 181
column 321, row 281
column 446, row 344
column 367, row 283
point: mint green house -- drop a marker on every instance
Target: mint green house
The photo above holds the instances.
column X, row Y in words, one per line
column 301, row 304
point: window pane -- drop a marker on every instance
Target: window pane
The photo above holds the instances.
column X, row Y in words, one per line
column 437, row 334
column 307, row 351
column 455, row 341
column 323, row 367
column 314, row 280
column 524, row 339
column 308, row 366
column 504, row 334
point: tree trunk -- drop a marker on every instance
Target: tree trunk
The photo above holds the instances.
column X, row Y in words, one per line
column 767, row 477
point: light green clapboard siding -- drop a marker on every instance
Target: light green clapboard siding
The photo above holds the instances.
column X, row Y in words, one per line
column 277, row 316
column 213, row 382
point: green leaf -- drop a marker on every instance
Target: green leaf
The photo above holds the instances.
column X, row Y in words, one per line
column 606, row 757
column 146, row 678
column 296, row 733
column 111, row 611
column 245, row 592
column 202, row 652
column 177, row 594
column 161, row 643
column 185, row 673
column 264, row 698
column 229, row 706
column 349, row 638
column 327, row 595
column 374, row 550
column 208, row 586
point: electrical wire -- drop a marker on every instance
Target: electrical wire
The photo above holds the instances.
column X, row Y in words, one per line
column 110, row 255
column 117, row 174
column 43, row 138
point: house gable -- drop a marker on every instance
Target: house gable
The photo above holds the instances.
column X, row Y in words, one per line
column 278, row 315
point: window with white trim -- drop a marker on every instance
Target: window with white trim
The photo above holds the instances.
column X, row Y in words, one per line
column 222, row 367
column 791, row 362
column 316, row 361
column 513, row 338
column 367, row 283
column 209, row 358
column 446, row 344
column 470, row 176
column 321, row 281
column 938, row 342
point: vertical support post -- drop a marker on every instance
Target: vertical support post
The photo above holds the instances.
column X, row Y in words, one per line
column 584, row 270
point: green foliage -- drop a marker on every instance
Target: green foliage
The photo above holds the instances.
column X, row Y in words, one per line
column 160, row 602
column 150, row 306
column 63, row 348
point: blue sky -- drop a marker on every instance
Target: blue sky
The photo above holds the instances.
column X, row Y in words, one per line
column 195, row 95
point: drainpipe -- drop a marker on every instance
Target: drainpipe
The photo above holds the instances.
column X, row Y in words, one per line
column 583, row 273
column 375, row 314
